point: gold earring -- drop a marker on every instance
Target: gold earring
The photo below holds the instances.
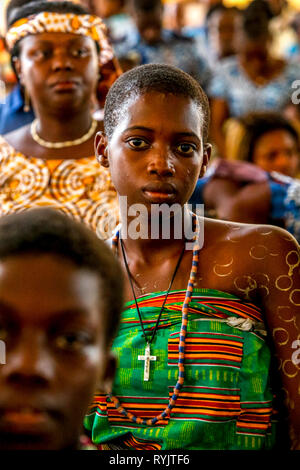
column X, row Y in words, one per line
column 26, row 107
column 203, row 170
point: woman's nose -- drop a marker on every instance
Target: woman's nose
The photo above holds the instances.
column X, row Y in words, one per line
column 62, row 61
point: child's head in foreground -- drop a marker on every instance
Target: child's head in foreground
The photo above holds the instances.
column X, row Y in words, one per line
column 60, row 303
column 156, row 123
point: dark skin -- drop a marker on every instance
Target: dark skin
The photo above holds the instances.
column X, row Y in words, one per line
column 60, row 72
column 236, row 258
column 221, row 31
column 275, row 150
column 104, row 8
column 259, row 67
column 149, row 23
column 56, row 351
column 238, row 202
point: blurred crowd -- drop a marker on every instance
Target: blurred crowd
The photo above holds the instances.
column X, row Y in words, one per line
column 247, row 59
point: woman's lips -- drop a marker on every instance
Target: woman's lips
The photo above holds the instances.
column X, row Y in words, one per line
column 65, row 86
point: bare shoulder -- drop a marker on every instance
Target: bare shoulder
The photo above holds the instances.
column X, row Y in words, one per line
column 223, row 231
column 254, row 247
column 258, row 263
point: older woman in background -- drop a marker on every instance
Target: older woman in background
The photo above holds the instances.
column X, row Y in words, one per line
column 58, row 51
column 14, row 113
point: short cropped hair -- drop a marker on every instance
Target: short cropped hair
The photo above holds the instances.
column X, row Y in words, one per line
column 258, row 124
column 153, row 77
column 46, row 231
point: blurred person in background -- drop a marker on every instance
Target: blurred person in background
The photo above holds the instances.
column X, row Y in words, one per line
column 114, row 14
column 12, row 114
column 262, row 186
column 151, row 43
column 60, row 303
column 293, row 51
column 7, row 75
column 270, row 142
column 106, row 8
column 281, row 29
column 186, row 17
column 119, row 25
column 220, row 39
column 15, row 112
column 58, row 50
column 253, row 80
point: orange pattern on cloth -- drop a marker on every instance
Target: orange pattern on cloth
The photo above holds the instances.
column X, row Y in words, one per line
column 46, row 22
column 80, row 188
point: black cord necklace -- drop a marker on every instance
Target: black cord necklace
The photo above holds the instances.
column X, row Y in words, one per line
column 147, row 356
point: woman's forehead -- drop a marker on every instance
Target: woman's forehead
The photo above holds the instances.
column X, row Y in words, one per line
column 272, row 137
column 56, row 38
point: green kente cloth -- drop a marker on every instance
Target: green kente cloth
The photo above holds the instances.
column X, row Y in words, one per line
column 226, row 400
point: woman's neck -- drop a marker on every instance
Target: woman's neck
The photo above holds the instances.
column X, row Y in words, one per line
column 75, row 125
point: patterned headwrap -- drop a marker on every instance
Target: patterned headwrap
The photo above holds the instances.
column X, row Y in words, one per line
column 47, row 22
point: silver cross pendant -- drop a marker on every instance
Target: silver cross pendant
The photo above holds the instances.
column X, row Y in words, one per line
column 147, row 358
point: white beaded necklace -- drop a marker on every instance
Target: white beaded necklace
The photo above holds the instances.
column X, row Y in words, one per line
column 59, row 145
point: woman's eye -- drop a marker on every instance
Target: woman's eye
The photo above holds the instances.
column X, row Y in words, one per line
column 72, row 341
column 138, row 143
column 80, row 52
column 186, row 148
column 42, row 54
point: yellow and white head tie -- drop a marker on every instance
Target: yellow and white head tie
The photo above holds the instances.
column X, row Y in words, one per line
column 48, row 22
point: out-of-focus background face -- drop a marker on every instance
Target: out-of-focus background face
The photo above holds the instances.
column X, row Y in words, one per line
column 105, row 8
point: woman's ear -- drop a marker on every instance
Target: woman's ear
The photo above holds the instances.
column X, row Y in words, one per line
column 205, row 160
column 101, row 143
column 17, row 66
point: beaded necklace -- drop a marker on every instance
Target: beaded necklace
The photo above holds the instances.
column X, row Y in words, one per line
column 147, row 358
column 67, row 143
column 182, row 337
